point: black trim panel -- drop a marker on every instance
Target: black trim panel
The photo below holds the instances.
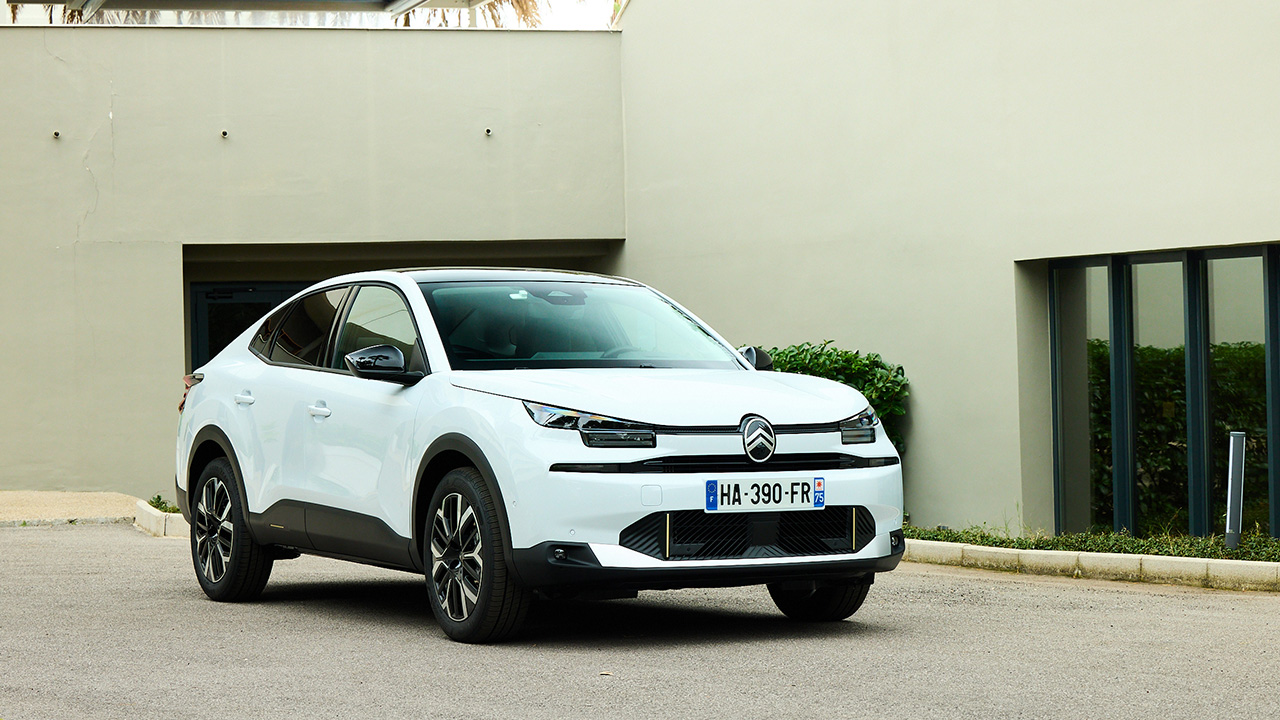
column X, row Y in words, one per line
column 214, row 433
column 464, row 446
column 540, row 568
column 320, row 530
column 795, row 462
column 799, row 429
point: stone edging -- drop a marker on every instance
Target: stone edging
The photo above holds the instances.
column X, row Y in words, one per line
column 66, row 521
column 160, row 524
column 1199, row 572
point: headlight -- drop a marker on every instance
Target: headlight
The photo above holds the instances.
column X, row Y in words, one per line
column 860, row 428
column 596, row 430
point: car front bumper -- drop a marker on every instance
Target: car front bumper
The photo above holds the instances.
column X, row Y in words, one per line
column 577, row 565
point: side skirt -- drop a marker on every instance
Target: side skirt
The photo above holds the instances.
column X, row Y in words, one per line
column 342, row 534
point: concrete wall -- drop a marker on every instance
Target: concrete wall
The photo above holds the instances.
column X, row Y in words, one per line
column 334, row 137
column 874, row 171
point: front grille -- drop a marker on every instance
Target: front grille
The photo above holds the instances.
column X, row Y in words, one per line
column 697, row 535
column 782, row 462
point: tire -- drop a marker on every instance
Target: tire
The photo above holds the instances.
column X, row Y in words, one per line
column 809, row 602
column 472, row 593
column 229, row 565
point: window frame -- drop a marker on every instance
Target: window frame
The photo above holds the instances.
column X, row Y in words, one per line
column 344, row 313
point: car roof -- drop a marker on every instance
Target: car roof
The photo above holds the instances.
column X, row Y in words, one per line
column 493, row 274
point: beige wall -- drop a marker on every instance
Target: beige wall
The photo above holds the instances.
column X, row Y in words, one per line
column 872, row 171
column 334, row 136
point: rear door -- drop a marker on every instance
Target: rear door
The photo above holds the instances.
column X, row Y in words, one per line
column 274, row 402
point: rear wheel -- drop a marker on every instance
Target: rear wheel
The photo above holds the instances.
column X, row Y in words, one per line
column 810, row 602
column 228, row 564
column 472, row 593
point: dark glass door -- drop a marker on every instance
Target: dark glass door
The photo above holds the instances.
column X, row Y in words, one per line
column 221, row 311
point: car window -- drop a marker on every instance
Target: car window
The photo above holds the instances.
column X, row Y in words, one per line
column 547, row 324
column 262, row 338
column 379, row 316
column 305, row 330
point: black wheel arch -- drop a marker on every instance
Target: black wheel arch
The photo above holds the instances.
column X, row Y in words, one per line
column 209, row 444
column 449, row 451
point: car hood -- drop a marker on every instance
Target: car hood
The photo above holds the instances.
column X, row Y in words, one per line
column 674, row 396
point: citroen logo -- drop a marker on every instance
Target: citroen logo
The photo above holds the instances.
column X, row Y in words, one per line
column 757, row 438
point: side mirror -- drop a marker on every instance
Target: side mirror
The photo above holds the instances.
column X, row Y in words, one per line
column 758, row 358
column 381, row 362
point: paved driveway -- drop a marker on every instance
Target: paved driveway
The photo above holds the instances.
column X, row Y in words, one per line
column 108, row 622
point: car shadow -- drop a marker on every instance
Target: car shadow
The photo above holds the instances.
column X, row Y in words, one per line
column 650, row 622
column 385, row 601
column 646, row 621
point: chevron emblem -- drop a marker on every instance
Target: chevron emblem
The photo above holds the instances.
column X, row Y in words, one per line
column 758, row 439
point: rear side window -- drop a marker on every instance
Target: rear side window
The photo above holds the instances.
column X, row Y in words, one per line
column 305, row 331
column 262, row 338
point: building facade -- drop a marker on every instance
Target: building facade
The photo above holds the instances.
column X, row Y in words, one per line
column 993, row 195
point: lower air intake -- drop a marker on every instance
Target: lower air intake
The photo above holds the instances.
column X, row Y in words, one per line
column 698, row 535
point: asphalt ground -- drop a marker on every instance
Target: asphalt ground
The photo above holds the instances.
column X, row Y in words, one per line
column 107, row 622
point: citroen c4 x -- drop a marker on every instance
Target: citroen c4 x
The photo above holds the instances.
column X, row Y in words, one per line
column 509, row 433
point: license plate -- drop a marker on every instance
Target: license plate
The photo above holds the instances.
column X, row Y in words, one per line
column 760, row 495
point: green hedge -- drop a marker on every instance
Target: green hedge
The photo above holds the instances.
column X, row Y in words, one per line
column 1237, row 402
column 1253, row 545
column 884, row 385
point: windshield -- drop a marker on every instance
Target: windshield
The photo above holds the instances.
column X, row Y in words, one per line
column 509, row 325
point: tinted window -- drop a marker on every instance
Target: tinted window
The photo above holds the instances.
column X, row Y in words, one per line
column 378, row 316
column 538, row 324
column 262, row 338
column 305, row 331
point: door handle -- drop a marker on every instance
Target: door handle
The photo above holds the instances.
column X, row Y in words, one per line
column 319, row 411
column 244, row 399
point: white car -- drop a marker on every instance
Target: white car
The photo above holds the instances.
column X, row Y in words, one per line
column 518, row 432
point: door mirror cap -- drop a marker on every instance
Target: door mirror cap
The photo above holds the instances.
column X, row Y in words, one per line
column 758, row 358
column 381, row 362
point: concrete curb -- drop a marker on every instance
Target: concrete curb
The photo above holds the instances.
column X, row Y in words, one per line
column 66, row 521
column 161, row 524
column 1198, row 572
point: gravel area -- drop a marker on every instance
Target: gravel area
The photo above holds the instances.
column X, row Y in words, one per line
column 17, row 506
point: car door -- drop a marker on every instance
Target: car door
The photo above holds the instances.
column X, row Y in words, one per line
column 271, row 400
column 358, row 443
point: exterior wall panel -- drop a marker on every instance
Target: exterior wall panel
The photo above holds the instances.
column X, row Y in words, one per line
column 334, row 136
column 871, row 172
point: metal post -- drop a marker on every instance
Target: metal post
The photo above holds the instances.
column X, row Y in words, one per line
column 1235, row 488
column 1123, row 462
column 1195, row 275
column 1271, row 263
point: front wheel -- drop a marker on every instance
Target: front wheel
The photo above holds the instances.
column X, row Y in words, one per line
column 472, row 593
column 810, row 602
column 229, row 565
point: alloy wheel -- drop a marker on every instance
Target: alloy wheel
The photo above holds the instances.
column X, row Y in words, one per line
column 456, row 564
column 215, row 533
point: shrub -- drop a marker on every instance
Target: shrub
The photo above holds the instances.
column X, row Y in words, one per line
column 884, row 385
column 163, row 505
column 1254, row 545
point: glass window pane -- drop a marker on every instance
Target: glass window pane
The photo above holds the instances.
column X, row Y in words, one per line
column 378, row 317
column 263, row 336
column 1084, row 392
column 1160, row 406
column 302, row 337
column 1238, row 384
